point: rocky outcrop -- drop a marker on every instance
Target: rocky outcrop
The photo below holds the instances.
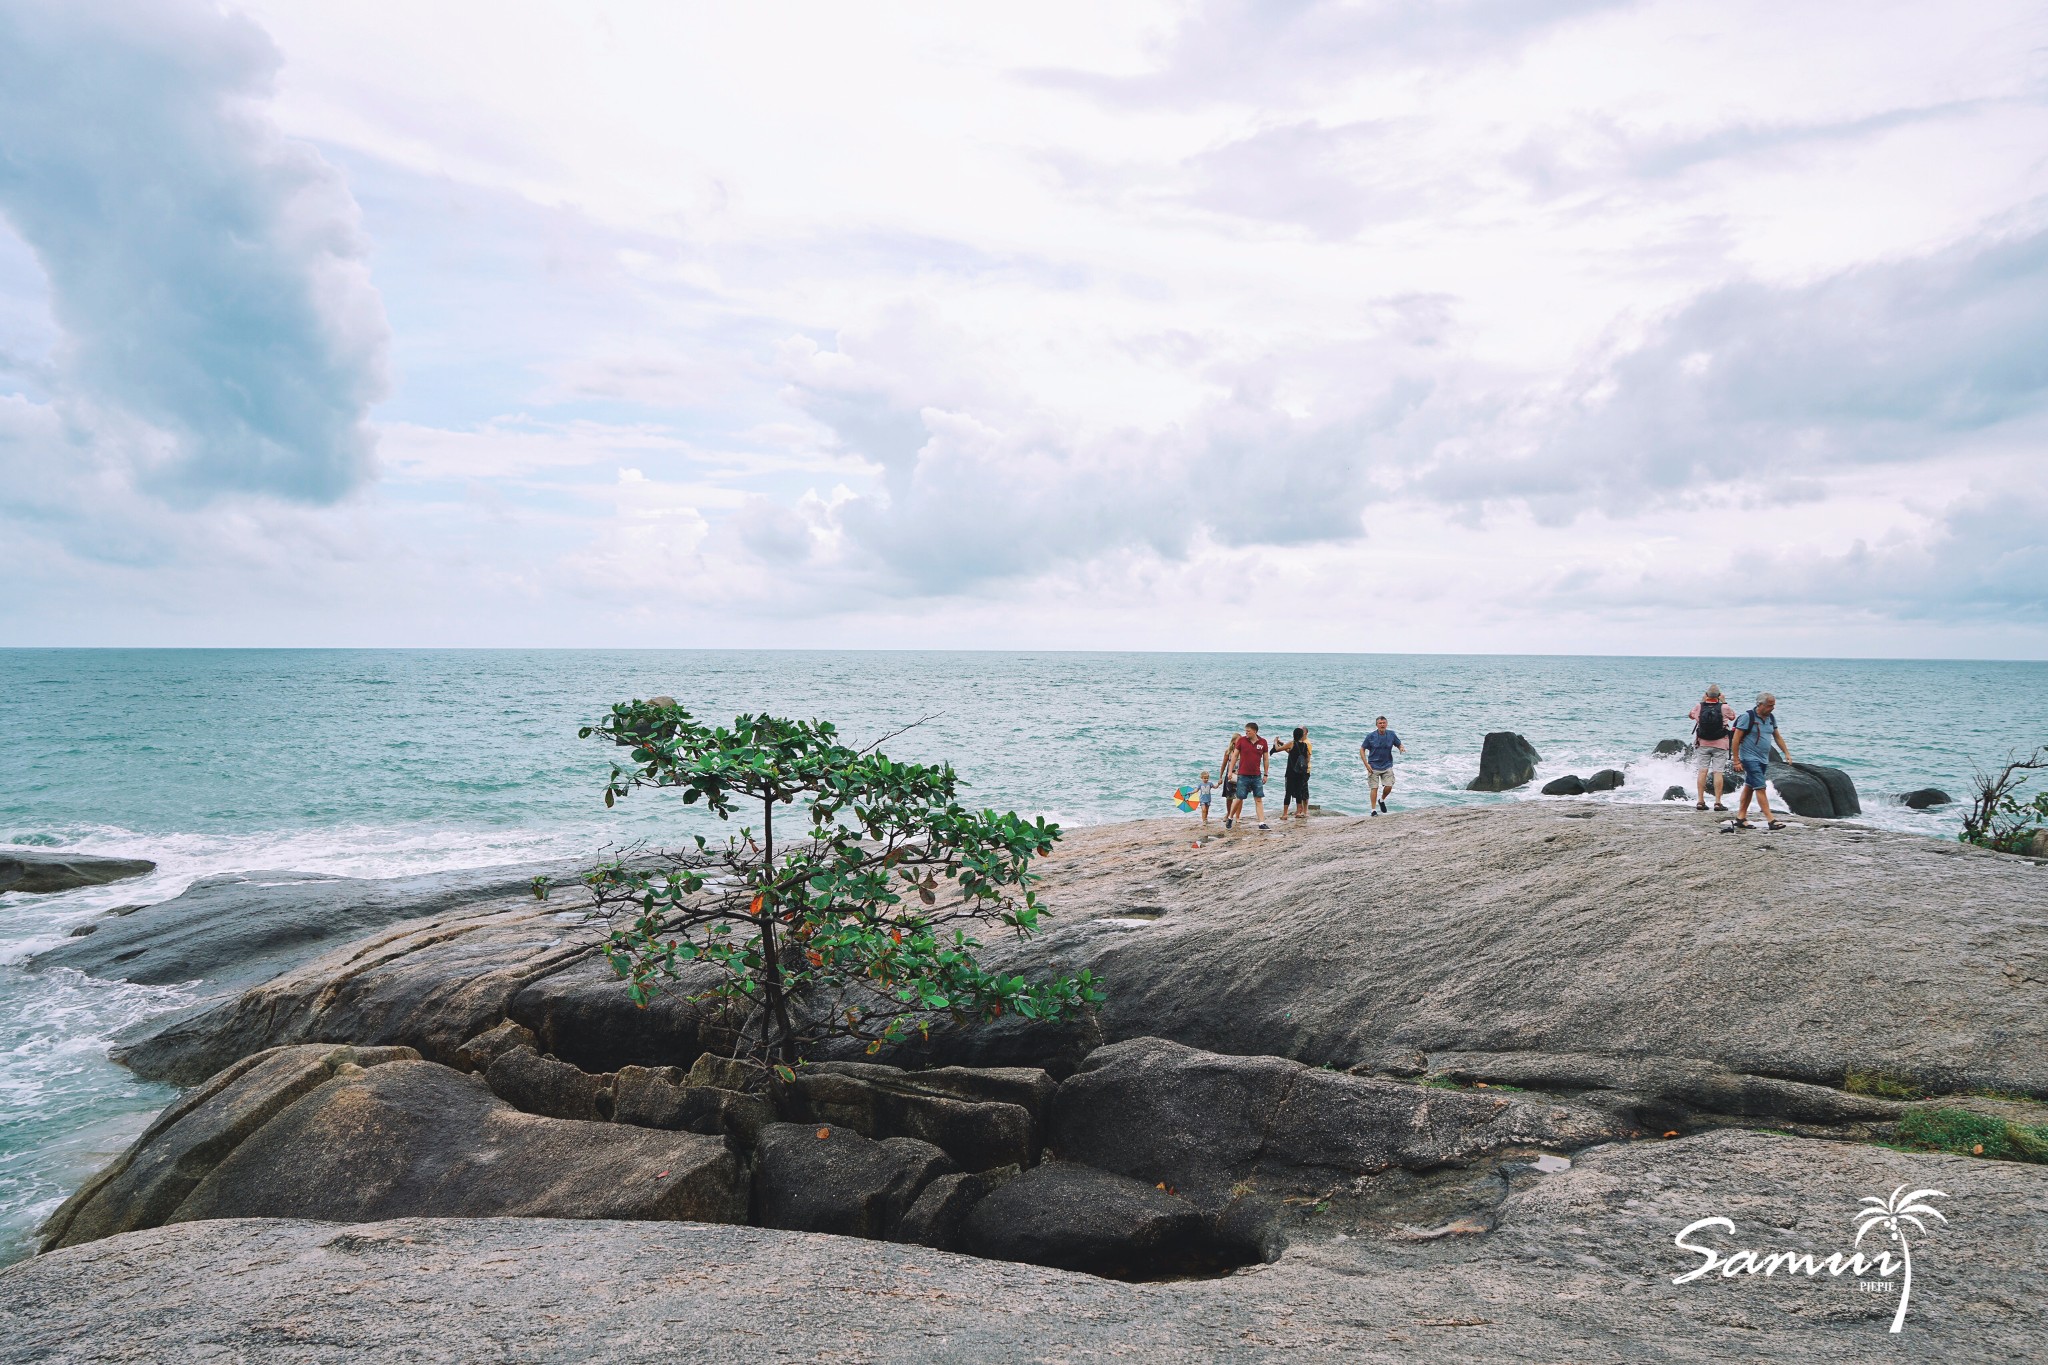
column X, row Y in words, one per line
column 937, row 1218
column 1506, row 760
column 1214, row 1127
column 355, row 1135
column 835, row 1180
column 1504, row 1265
column 1571, row 784
column 230, row 932
column 1814, row 792
column 1674, row 793
column 41, row 874
column 1606, row 780
column 984, row 1118
column 537, row 1084
column 1670, row 748
column 1924, row 798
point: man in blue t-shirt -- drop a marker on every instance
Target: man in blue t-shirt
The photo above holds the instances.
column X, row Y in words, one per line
column 1755, row 731
column 1377, row 753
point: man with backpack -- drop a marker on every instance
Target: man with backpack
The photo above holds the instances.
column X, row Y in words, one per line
column 1755, row 729
column 1712, row 718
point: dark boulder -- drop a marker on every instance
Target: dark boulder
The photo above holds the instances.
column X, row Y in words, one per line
column 1815, row 792
column 44, row 873
column 1669, row 748
column 666, row 1097
column 827, row 1179
column 1606, row 780
column 1674, row 793
column 940, row 1107
column 1210, row 1125
column 538, row 1084
column 937, row 1218
column 1506, row 761
column 400, row 1139
column 1571, row 784
column 1925, row 798
column 583, row 1015
column 1078, row 1218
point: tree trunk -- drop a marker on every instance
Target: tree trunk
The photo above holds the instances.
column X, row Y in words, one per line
column 784, row 1041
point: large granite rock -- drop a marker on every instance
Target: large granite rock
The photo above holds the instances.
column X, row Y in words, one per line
column 1079, row 1218
column 1506, row 760
column 33, row 873
column 1924, row 798
column 1606, row 780
column 1216, row 1127
column 1620, row 931
column 1511, row 1267
column 233, row 931
column 1571, row 784
column 313, row 1132
column 826, row 1179
column 982, row 1118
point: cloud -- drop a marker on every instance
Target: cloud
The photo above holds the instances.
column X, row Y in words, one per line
column 1765, row 384
column 207, row 274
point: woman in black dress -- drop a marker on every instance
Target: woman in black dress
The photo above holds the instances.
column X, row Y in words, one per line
column 1297, row 750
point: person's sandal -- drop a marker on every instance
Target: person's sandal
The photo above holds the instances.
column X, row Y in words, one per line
column 1699, row 805
column 1775, row 824
column 1744, row 824
column 1718, row 806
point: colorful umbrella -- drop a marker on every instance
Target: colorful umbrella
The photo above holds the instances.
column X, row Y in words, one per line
column 1185, row 799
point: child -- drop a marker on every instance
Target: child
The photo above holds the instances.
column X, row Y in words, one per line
column 1208, row 789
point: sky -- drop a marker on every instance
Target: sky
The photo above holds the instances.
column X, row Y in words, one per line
column 1405, row 326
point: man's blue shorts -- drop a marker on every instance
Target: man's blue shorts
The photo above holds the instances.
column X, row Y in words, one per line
column 1248, row 787
column 1753, row 774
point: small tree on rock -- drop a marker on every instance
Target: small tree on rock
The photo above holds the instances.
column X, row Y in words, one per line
column 848, row 920
column 1997, row 818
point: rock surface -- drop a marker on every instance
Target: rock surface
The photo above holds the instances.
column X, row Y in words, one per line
column 826, row 1179
column 1674, row 793
column 1924, row 798
column 233, row 931
column 359, row 1135
column 1506, row 760
column 1606, row 780
column 1215, row 1127
column 1571, row 784
column 1080, row 1218
column 1815, row 792
column 43, row 873
column 1669, row 748
column 1576, row 1266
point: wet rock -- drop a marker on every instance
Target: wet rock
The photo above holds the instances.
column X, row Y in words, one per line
column 828, row 1179
column 1814, row 792
column 1569, row 785
column 1674, row 793
column 1079, row 1218
column 1606, row 780
column 1925, row 798
column 1669, row 748
column 1506, row 761
column 539, row 1084
column 1211, row 1125
column 43, row 874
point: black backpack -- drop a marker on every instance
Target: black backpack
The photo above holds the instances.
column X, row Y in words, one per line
column 1712, row 724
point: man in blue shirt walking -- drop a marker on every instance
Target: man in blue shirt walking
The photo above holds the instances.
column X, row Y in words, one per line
column 1377, row 753
column 1755, row 730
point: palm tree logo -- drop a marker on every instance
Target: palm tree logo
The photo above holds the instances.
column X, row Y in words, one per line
column 1889, row 1214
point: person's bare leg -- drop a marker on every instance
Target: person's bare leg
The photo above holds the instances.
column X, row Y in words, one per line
column 1763, row 805
column 1386, row 790
column 1719, row 778
column 1259, row 805
column 1742, row 806
column 1699, row 789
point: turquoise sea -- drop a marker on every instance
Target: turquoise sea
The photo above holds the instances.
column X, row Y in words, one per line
column 376, row 763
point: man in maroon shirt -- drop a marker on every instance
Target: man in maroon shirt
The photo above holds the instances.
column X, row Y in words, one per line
column 1251, row 776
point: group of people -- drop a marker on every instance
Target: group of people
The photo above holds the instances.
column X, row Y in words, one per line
column 1247, row 763
column 1718, row 733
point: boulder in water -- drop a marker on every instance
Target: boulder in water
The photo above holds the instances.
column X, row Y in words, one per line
column 41, row 874
column 1924, row 798
column 1569, row 785
column 1674, row 793
column 1506, row 761
column 1669, row 748
column 1606, row 780
column 1815, row 792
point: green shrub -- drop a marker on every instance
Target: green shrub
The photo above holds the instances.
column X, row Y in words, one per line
column 1879, row 1084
